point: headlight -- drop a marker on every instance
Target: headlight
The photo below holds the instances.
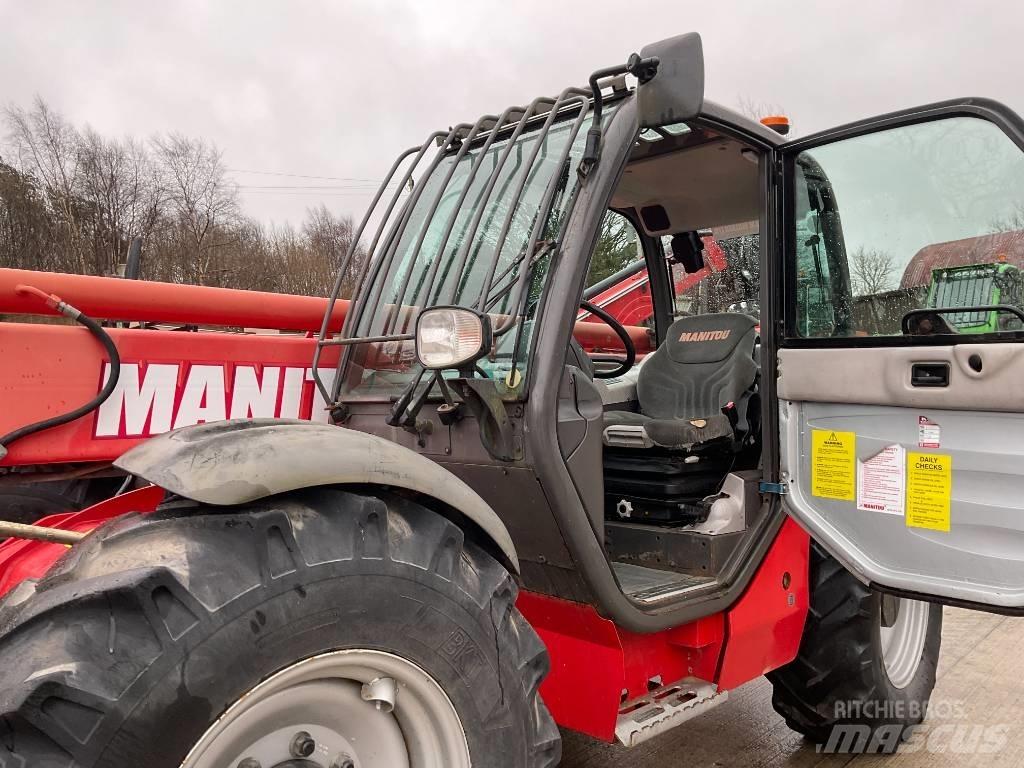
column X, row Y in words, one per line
column 450, row 337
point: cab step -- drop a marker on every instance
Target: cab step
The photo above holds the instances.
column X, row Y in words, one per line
column 665, row 708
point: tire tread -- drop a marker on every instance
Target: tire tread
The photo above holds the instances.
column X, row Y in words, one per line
column 135, row 570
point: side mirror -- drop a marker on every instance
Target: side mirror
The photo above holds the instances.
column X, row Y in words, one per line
column 676, row 92
column 688, row 250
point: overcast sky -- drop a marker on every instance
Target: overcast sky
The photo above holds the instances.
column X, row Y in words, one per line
column 338, row 88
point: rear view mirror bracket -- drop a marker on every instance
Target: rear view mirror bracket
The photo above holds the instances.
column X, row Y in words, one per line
column 643, row 69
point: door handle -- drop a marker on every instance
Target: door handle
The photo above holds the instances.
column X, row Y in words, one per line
column 929, row 375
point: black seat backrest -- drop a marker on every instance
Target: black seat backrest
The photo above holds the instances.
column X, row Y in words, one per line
column 705, row 363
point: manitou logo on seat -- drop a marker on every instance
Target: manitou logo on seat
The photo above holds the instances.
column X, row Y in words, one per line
column 704, row 335
column 153, row 398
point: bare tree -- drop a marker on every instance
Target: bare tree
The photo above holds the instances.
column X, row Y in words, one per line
column 26, row 223
column 1012, row 221
column 47, row 148
column 72, row 200
column 203, row 202
column 122, row 197
column 871, row 271
column 328, row 239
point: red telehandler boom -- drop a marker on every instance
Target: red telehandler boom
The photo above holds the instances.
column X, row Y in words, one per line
column 168, row 379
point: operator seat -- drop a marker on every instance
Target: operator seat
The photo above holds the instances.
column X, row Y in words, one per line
column 698, row 409
column 694, row 388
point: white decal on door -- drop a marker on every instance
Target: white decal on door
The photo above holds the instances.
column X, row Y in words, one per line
column 929, row 434
column 881, row 481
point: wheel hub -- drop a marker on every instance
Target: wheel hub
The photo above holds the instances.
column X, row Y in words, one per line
column 903, row 630
column 345, row 709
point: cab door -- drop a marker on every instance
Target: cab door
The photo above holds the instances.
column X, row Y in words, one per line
column 901, row 362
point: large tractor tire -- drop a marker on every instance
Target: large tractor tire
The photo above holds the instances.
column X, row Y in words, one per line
column 323, row 629
column 866, row 660
column 29, row 502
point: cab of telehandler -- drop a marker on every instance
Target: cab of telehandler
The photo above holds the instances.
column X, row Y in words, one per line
column 650, row 436
column 645, row 473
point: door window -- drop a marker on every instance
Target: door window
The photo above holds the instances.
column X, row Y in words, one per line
column 618, row 280
column 923, row 216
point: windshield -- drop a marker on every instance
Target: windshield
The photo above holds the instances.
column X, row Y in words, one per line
column 465, row 243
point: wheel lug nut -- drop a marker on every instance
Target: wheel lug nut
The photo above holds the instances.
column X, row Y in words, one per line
column 249, row 762
column 302, row 744
column 342, row 761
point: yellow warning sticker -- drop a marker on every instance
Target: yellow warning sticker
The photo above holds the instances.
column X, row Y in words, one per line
column 929, row 482
column 833, row 464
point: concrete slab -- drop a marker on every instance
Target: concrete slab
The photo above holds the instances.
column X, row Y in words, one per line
column 977, row 717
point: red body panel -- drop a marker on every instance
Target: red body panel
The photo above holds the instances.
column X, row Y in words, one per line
column 764, row 627
column 22, row 559
column 50, row 369
column 596, row 665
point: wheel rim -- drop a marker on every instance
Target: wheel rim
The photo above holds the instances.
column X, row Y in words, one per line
column 903, row 631
column 335, row 711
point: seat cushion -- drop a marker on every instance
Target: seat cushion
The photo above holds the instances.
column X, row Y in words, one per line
column 625, row 429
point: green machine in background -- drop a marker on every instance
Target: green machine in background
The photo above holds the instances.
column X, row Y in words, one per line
column 978, row 285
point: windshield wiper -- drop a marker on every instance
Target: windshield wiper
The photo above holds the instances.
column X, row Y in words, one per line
column 497, row 294
column 398, row 416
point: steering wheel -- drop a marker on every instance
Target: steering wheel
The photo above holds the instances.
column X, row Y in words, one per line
column 624, row 364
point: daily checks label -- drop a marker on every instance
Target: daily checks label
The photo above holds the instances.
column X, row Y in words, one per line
column 929, row 484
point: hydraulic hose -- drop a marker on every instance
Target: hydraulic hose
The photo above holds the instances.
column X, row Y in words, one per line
column 115, row 369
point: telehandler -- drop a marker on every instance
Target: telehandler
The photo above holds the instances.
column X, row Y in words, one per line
column 434, row 525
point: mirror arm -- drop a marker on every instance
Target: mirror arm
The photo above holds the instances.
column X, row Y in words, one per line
column 643, row 69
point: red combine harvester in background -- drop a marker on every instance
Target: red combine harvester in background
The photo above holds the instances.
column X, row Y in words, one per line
column 421, row 525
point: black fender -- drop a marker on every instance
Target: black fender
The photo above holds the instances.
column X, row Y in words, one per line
column 227, row 463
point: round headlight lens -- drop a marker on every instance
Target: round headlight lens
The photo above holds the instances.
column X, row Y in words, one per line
column 447, row 337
